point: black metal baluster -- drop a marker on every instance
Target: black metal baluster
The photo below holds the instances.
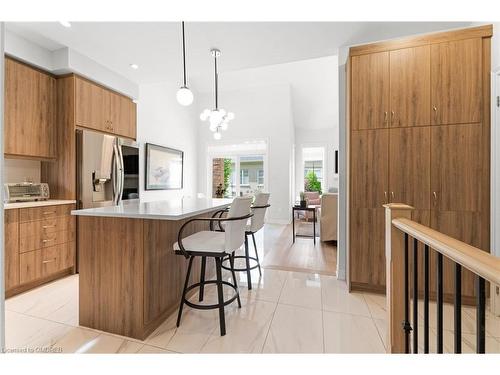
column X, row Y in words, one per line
column 406, row 323
column 458, row 308
column 480, row 316
column 426, row 299
column 439, row 302
column 415, row 296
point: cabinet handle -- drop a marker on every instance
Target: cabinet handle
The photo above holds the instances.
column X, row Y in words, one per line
column 434, row 194
column 392, row 196
column 48, row 240
column 392, row 116
column 385, row 195
column 385, row 116
column 49, row 261
column 434, row 108
column 48, row 226
column 48, row 212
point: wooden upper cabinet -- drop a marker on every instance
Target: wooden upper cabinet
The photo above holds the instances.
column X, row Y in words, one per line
column 456, row 82
column 410, row 81
column 122, row 116
column 410, row 166
column 30, row 111
column 101, row 109
column 369, row 168
column 89, row 106
column 370, row 91
column 457, row 167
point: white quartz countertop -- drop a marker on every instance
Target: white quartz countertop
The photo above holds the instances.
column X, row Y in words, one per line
column 50, row 202
column 159, row 210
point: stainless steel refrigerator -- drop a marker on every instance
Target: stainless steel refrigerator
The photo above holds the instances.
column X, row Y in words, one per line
column 107, row 169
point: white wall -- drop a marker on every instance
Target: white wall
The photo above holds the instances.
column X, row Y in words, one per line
column 262, row 113
column 162, row 121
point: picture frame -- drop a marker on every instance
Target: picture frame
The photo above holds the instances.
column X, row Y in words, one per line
column 164, row 168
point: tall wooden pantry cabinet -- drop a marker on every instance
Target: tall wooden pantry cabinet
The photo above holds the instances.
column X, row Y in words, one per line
column 419, row 123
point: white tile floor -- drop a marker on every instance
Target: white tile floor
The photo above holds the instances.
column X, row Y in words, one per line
column 285, row 312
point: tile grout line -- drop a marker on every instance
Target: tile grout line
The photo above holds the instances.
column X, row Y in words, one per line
column 274, row 314
column 373, row 321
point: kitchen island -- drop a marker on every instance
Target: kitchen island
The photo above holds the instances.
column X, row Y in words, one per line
column 130, row 278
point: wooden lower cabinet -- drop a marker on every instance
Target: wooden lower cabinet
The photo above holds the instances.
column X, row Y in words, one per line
column 11, row 231
column 40, row 246
column 367, row 249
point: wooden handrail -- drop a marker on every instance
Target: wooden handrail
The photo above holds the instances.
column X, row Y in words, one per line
column 479, row 262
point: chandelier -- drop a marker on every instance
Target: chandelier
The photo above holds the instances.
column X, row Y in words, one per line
column 218, row 118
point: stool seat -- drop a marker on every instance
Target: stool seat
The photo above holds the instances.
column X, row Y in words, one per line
column 204, row 241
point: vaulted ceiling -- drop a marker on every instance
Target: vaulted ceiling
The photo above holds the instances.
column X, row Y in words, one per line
column 156, row 46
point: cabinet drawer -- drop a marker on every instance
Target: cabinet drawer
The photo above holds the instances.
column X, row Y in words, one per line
column 43, row 239
column 41, row 263
column 46, row 226
column 45, row 212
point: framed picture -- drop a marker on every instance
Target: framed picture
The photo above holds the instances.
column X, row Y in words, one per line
column 164, row 168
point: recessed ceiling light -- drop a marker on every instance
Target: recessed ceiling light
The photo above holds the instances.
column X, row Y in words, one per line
column 65, row 23
column 134, row 66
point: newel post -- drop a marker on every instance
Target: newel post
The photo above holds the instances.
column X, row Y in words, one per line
column 394, row 257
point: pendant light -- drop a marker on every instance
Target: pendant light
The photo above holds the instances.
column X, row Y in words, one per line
column 217, row 117
column 184, row 95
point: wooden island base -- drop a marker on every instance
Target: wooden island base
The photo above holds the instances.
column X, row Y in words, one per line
column 130, row 278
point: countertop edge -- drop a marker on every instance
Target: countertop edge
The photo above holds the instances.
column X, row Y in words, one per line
column 149, row 216
column 55, row 202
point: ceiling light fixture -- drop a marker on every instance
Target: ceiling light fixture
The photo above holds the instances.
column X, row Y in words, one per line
column 184, row 95
column 134, row 66
column 65, row 23
column 218, row 117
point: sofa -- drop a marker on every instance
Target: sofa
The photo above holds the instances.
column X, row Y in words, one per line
column 328, row 217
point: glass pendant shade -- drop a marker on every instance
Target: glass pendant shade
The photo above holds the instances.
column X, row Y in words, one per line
column 184, row 96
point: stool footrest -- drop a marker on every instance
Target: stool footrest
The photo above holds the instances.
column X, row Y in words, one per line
column 240, row 269
column 214, row 306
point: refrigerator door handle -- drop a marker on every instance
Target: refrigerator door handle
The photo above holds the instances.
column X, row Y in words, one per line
column 121, row 175
column 115, row 175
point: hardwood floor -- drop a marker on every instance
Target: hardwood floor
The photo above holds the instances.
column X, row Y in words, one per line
column 277, row 251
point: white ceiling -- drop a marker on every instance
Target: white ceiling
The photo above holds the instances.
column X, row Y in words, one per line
column 156, row 46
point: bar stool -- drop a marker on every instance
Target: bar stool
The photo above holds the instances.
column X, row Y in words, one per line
column 259, row 209
column 217, row 245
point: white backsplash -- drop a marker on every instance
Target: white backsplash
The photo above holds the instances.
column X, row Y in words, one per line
column 19, row 170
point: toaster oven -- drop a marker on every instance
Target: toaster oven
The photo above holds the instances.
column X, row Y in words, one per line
column 25, row 192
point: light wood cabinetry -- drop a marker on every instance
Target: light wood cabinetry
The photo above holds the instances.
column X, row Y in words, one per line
column 30, row 112
column 456, row 81
column 370, row 91
column 103, row 110
column 84, row 104
column 89, row 108
column 410, row 86
column 410, row 166
column 11, row 248
column 40, row 246
column 435, row 159
column 457, row 167
column 370, row 167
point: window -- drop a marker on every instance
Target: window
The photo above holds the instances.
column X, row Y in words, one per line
column 314, row 160
column 260, row 179
column 244, row 178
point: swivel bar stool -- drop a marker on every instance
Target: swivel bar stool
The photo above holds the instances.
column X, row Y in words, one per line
column 259, row 209
column 217, row 245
